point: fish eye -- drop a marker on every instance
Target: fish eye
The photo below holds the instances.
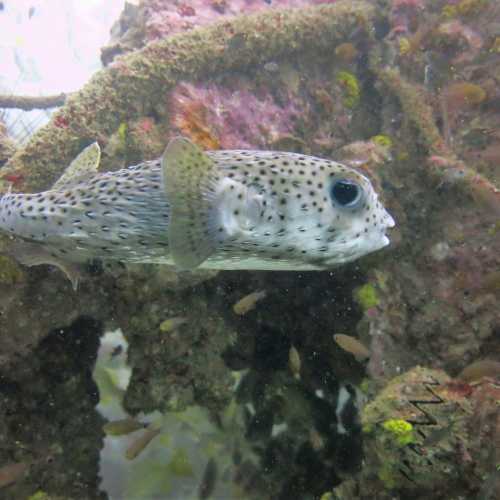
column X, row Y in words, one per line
column 346, row 193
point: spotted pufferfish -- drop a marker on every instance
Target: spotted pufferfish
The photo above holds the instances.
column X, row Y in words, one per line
column 261, row 210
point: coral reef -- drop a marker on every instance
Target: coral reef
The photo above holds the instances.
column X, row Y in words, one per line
column 220, row 117
column 7, row 146
column 424, row 438
column 97, row 111
column 406, row 91
column 156, row 19
column 48, row 419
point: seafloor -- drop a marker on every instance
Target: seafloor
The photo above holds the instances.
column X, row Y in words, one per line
column 406, row 90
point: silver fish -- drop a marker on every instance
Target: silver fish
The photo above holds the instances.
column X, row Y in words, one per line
column 215, row 209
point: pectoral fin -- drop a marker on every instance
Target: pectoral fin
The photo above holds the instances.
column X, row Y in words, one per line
column 190, row 180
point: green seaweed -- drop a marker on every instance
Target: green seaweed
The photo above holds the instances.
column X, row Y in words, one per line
column 366, row 296
column 351, row 88
column 382, row 140
column 10, row 272
column 401, row 430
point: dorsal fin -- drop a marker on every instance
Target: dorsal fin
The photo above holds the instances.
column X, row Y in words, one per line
column 83, row 166
column 190, row 181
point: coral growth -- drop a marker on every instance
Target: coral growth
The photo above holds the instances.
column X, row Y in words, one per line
column 166, row 18
column 350, row 87
column 424, row 437
column 422, row 120
column 217, row 117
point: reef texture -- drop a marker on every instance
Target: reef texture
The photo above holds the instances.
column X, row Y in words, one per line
column 405, row 90
column 429, row 436
column 49, row 426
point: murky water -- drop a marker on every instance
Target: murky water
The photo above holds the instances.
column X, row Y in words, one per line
column 373, row 378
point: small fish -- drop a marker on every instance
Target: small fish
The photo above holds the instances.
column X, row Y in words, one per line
column 239, row 209
column 248, row 302
column 138, row 446
column 346, row 52
column 11, row 473
column 208, row 481
column 171, row 324
column 294, row 362
column 353, row 346
column 122, row 427
column 480, row 369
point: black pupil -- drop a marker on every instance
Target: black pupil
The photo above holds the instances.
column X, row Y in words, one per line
column 345, row 192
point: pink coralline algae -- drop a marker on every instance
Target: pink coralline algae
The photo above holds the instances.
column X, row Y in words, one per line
column 166, row 17
column 221, row 117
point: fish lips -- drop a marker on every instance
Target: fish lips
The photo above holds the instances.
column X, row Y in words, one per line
column 389, row 223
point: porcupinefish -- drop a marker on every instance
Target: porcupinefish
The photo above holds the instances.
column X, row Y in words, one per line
column 236, row 209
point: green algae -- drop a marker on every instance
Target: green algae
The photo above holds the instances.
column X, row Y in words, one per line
column 122, row 131
column 10, row 272
column 351, row 88
column 382, row 140
column 465, row 8
column 39, row 495
column 401, row 430
column 414, row 105
column 366, row 296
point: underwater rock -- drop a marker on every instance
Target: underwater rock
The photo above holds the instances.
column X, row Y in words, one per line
column 423, row 437
column 25, row 318
column 249, row 120
column 48, row 420
column 170, row 369
column 7, row 145
column 433, row 303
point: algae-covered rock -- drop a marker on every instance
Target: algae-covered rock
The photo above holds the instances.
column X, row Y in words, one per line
column 10, row 271
column 423, row 437
column 48, row 419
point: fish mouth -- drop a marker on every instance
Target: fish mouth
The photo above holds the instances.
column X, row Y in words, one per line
column 389, row 222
